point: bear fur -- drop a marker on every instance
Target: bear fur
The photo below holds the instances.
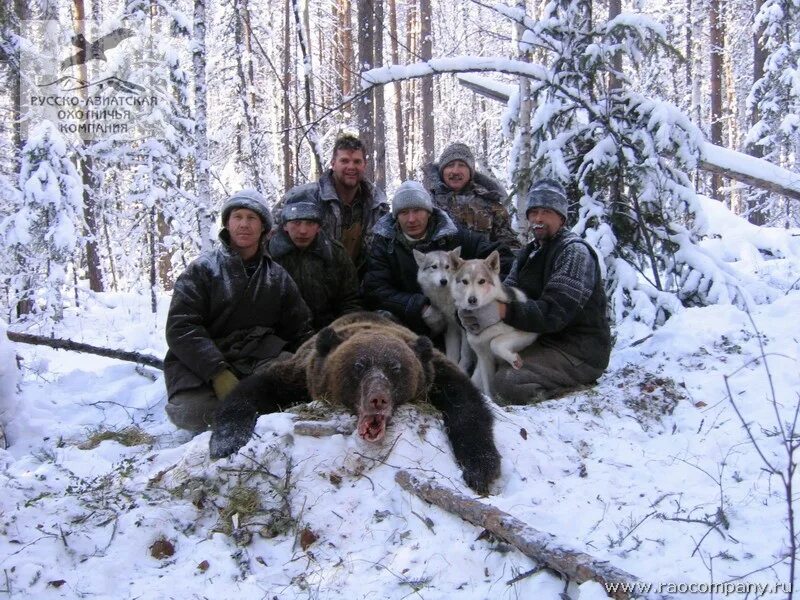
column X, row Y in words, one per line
column 370, row 365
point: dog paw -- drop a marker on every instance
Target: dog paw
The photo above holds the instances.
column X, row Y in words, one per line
column 517, row 362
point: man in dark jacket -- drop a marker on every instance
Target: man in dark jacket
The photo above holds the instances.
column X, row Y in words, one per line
column 319, row 265
column 233, row 309
column 566, row 306
column 390, row 282
column 472, row 199
column 350, row 205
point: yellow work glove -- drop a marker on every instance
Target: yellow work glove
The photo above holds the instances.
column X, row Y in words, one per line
column 223, row 383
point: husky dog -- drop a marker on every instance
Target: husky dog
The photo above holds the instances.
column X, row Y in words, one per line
column 476, row 283
column 434, row 275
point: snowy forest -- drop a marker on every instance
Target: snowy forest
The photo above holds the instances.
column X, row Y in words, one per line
column 674, row 126
column 627, row 104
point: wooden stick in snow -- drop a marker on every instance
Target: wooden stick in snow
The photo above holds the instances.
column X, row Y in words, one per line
column 59, row 344
column 538, row 545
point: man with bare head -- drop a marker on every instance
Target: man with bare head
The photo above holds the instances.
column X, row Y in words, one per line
column 349, row 204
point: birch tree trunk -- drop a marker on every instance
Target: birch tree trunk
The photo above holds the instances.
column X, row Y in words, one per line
column 201, row 164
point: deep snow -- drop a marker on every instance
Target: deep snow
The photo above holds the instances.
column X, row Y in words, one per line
column 650, row 470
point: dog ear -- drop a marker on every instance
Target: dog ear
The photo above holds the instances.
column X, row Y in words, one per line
column 327, row 340
column 419, row 257
column 493, row 262
column 454, row 256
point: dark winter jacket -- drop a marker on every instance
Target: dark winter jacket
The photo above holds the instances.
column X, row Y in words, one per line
column 219, row 317
column 567, row 300
column 323, row 192
column 324, row 273
column 478, row 206
column 390, row 282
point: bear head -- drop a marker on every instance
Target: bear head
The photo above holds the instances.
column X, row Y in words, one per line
column 370, row 373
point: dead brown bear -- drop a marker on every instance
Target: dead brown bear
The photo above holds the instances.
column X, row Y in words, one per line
column 371, row 365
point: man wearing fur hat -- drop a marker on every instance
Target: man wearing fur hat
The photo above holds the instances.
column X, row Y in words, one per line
column 233, row 310
column 320, row 266
column 474, row 200
column 350, row 205
column 566, row 306
column 390, row 282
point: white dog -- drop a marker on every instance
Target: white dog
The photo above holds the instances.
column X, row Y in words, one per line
column 476, row 283
column 434, row 275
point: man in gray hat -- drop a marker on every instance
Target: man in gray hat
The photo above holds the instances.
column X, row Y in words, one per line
column 349, row 204
column 390, row 282
column 473, row 199
column 233, row 310
column 320, row 266
column 566, row 306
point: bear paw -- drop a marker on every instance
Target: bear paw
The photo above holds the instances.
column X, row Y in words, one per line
column 481, row 471
column 227, row 438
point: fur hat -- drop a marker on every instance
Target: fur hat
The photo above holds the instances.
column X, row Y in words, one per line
column 547, row 193
column 457, row 151
column 308, row 211
column 411, row 194
column 250, row 199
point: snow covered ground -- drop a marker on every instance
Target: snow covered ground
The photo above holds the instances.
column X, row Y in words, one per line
column 650, row 470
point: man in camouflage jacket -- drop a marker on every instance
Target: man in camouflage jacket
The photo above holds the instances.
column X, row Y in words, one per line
column 350, row 205
column 320, row 266
column 472, row 199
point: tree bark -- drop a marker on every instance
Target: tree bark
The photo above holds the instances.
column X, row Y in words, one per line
column 61, row 344
column 365, row 103
column 288, row 180
column 717, row 41
column 426, row 85
column 378, row 106
column 398, row 94
column 754, row 214
column 88, row 181
column 614, row 10
column 540, row 546
column 201, row 165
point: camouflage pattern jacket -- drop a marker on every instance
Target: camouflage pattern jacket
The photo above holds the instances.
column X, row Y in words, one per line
column 324, row 273
column 324, row 193
column 478, row 206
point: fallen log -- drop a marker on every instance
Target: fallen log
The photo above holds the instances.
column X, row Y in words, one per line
column 59, row 344
column 540, row 546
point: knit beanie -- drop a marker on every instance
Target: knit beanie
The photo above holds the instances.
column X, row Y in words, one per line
column 547, row 193
column 307, row 211
column 252, row 200
column 411, row 194
column 457, row 151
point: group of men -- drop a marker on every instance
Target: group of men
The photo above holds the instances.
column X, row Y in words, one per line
column 338, row 246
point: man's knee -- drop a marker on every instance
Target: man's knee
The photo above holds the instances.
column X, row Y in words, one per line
column 193, row 409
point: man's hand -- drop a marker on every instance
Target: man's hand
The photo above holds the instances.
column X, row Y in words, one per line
column 434, row 319
column 223, row 383
column 476, row 320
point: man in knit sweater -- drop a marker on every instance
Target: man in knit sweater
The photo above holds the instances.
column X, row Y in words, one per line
column 566, row 306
